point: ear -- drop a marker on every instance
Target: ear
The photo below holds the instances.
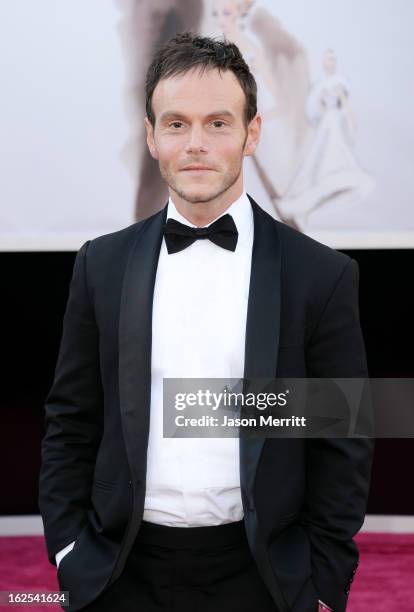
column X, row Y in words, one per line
column 150, row 138
column 253, row 135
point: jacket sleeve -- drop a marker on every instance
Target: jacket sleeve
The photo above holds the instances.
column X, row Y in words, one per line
column 73, row 419
column 338, row 469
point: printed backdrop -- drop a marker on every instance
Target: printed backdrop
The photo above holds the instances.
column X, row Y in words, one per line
column 334, row 90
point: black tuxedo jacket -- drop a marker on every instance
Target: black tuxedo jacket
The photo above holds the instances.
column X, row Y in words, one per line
column 303, row 500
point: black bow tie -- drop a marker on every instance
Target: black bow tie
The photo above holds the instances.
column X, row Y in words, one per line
column 222, row 232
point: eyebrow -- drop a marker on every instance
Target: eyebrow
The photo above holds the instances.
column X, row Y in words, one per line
column 177, row 115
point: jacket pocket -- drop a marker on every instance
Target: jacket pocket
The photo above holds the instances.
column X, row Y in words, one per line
column 286, row 519
column 103, row 484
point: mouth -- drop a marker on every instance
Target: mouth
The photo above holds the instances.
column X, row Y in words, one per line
column 196, row 169
column 197, row 172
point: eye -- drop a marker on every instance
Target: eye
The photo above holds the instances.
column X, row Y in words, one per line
column 219, row 121
column 175, row 123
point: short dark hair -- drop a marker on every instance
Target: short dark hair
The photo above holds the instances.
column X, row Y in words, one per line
column 185, row 51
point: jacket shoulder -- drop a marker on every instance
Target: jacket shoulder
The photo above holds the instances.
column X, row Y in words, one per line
column 300, row 249
column 119, row 240
column 308, row 251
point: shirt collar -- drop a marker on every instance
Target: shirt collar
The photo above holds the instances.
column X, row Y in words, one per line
column 240, row 210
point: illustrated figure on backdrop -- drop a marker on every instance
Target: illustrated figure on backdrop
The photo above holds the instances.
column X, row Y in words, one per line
column 330, row 173
column 279, row 64
column 211, row 286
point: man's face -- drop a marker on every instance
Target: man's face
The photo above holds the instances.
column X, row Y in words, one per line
column 199, row 122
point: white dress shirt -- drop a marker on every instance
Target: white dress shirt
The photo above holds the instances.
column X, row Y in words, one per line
column 198, row 331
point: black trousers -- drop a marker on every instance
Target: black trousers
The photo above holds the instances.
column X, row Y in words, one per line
column 194, row 569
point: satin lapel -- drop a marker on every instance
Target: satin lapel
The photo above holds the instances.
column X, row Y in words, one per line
column 262, row 328
column 135, row 341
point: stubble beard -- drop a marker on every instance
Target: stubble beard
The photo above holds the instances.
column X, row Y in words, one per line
column 191, row 195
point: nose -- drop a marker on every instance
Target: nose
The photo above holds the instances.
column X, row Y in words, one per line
column 196, row 141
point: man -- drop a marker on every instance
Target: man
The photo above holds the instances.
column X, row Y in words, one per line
column 141, row 522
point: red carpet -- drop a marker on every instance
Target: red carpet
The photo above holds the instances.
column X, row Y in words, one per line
column 384, row 581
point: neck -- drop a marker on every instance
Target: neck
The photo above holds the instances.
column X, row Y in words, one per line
column 203, row 213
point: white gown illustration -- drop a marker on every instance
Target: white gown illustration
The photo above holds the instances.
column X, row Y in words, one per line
column 330, row 172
